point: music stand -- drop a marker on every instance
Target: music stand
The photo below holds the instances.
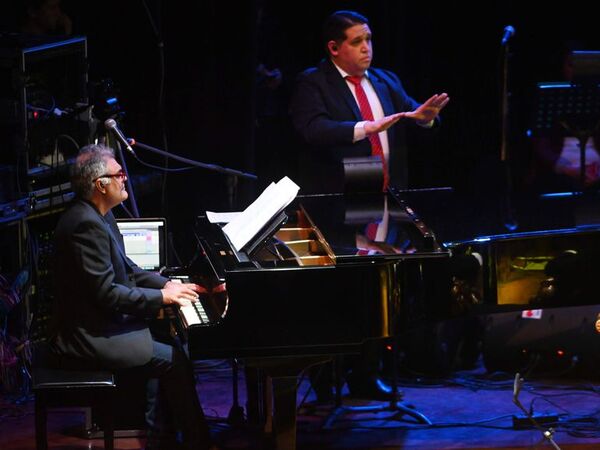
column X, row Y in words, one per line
column 364, row 211
column 574, row 105
column 585, row 65
column 363, row 174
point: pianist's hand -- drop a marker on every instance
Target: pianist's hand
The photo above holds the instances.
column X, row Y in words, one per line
column 180, row 293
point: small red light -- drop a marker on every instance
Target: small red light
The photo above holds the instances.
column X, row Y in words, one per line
column 36, row 114
column 388, row 347
column 560, row 353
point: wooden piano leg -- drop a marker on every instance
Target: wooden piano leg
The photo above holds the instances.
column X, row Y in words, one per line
column 284, row 411
column 259, row 396
column 283, row 373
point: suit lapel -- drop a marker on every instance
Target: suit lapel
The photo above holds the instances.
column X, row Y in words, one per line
column 340, row 86
column 117, row 243
column 382, row 92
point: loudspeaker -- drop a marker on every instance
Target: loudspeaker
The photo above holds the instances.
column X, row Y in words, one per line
column 550, row 340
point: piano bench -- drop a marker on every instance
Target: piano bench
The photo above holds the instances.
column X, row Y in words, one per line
column 68, row 387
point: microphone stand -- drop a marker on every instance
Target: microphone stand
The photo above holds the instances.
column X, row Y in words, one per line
column 213, row 167
column 549, row 433
column 504, row 105
column 510, row 222
column 134, row 209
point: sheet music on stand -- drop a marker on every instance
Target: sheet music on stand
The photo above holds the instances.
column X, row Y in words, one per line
column 577, row 104
column 574, row 106
column 259, row 221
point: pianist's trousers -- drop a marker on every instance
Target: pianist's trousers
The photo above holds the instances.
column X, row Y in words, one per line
column 172, row 401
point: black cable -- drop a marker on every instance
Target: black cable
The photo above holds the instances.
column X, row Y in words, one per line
column 164, row 169
column 157, row 28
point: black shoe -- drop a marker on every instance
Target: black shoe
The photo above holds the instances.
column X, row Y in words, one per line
column 371, row 387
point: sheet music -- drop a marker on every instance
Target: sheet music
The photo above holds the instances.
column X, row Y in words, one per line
column 270, row 203
column 221, row 217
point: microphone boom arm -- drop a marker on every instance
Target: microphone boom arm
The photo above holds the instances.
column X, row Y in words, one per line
column 192, row 162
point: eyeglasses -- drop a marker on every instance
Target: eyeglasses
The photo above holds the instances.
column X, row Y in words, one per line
column 121, row 175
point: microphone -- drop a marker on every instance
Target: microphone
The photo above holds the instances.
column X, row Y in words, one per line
column 111, row 125
column 509, row 32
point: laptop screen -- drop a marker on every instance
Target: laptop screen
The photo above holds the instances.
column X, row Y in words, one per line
column 145, row 241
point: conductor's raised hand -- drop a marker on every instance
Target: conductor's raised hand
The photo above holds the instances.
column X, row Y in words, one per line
column 379, row 125
column 429, row 110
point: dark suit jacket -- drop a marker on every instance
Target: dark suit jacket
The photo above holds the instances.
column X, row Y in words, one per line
column 101, row 297
column 324, row 113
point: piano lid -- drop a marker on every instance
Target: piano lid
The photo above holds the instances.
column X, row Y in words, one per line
column 458, row 217
column 369, row 226
column 330, row 229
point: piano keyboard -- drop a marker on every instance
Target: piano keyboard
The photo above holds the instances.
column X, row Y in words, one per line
column 192, row 313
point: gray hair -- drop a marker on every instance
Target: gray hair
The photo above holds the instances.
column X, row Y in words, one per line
column 90, row 164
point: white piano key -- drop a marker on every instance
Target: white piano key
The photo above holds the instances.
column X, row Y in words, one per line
column 190, row 315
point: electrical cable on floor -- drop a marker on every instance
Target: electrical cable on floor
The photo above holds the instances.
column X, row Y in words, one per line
column 419, row 426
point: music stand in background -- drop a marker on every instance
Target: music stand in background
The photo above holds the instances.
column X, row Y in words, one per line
column 574, row 105
column 585, row 65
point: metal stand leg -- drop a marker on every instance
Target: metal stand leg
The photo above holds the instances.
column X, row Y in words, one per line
column 236, row 413
column 394, row 404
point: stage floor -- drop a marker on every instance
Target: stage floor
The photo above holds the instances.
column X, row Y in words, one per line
column 469, row 410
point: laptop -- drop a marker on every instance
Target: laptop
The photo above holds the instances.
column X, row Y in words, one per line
column 145, row 241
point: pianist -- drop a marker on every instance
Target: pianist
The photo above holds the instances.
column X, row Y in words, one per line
column 103, row 300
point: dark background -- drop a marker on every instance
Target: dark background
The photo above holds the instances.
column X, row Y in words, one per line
column 214, row 109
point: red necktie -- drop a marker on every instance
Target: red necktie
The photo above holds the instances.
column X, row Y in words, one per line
column 371, row 234
column 367, row 114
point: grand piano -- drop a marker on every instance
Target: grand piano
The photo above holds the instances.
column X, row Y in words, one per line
column 322, row 286
column 537, row 251
column 536, row 294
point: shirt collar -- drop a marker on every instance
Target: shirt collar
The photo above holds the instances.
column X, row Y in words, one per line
column 345, row 74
